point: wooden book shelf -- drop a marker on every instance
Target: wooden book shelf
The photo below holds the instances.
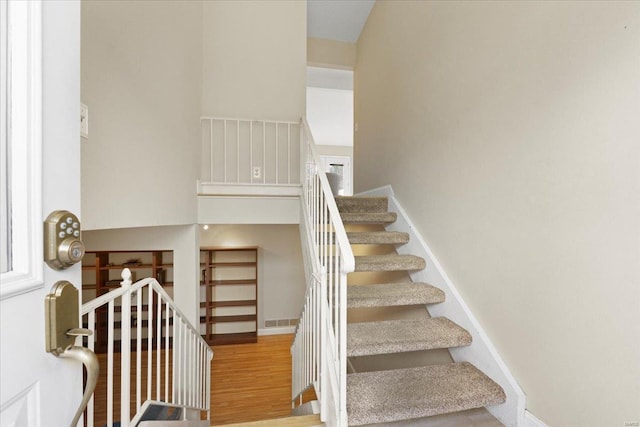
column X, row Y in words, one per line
column 229, row 295
column 101, row 273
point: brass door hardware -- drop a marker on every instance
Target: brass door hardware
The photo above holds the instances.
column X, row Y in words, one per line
column 63, row 245
column 62, row 316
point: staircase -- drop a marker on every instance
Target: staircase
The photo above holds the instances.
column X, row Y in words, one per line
column 378, row 325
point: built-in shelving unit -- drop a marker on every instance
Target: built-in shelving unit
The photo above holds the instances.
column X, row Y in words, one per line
column 101, row 273
column 229, row 295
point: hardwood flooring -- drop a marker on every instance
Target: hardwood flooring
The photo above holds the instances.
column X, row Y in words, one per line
column 249, row 382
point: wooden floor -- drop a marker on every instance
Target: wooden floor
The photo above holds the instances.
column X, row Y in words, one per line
column 249, row 382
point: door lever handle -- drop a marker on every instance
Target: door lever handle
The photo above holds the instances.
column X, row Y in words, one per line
column 91, row 364
column 61, row 316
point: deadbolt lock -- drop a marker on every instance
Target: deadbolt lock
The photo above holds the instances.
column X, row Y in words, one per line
column 63, row 245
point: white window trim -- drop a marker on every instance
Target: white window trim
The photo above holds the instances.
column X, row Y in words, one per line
column 25, row 89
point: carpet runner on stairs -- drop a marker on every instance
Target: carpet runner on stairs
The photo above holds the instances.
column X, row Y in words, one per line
column 397, row 336
column 393, row 294
column 416, row 392
column 400, row 394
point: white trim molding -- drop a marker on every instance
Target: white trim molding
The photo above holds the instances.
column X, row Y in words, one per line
column 25, row 122
column 281, row 330
column 481, row 352
column 530, row 420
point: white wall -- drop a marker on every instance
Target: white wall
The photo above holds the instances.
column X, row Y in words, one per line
column 281, row 284
column 141, row 79
column 509, row 131
column 254, row 58
column 182, row 240
column 330, row 116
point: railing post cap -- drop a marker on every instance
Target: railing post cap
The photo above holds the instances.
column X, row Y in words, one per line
column 126, row 277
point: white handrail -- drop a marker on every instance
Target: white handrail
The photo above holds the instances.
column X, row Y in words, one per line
column 319, row 350
column 182, row 358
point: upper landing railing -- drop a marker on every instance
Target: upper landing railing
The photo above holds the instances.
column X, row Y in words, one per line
column 249, row 152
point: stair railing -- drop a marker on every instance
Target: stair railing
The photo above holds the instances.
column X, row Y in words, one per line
column 249, row 151
column 172, row 362
column 319, row 350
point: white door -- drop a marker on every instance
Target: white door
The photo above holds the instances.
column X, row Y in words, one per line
column 40, row 174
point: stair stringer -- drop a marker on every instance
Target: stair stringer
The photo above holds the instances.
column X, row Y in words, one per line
column 481, row 352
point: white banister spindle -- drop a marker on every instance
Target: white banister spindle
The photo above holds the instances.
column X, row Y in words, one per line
column 224, row 151
column 166, row 355
column 125, row 344
column 211, row 153
column 288, row 153
column 149, row 342
column 138, row 350
column 91, row 325
column 237, row 150
column 158, row 348
column 110, row 330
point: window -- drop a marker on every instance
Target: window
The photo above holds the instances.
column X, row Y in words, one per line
column 21, row 147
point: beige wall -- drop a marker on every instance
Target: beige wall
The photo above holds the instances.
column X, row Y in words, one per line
column 510, row 133
column 281, row 283
column 182, row 240
column 254, row 59
column 331, row 53
column 141, row 71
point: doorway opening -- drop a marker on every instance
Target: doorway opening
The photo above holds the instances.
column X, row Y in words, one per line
column 330, row 117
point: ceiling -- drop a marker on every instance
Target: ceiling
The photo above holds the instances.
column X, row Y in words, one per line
column 340, row 20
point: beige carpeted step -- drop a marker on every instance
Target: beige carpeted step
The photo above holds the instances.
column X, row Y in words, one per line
column 362, row 204
column 398, row 336
column 391, row 262
column 378, row 238
column 383, row 396
column 368, row 218
column 393, row 294
column 300, row 421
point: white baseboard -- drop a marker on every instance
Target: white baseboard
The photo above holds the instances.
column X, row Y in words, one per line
column 530, row 420
column 283, row 330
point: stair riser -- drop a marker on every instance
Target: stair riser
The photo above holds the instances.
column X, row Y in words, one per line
column 379, row 238
column 369, row 267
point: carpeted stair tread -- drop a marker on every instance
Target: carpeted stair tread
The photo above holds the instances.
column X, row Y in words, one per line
column 362, row 204
column 397, row 336
column 385, row 396
column 389, row 263
column 378, row 238
column 393, row 294
column 368, row 218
